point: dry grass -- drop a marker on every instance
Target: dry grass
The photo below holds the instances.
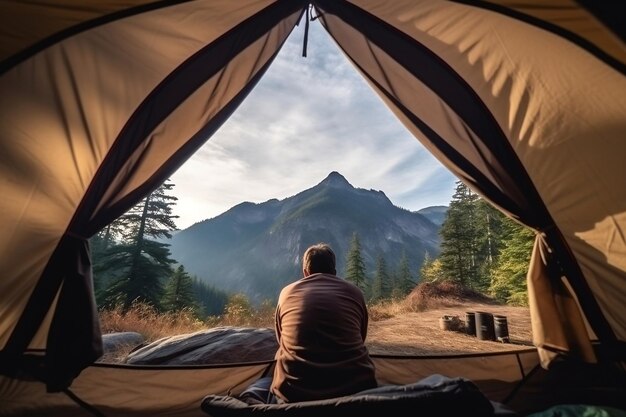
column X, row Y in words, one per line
column 425, row 297
column 145, row 319
column 239, row 313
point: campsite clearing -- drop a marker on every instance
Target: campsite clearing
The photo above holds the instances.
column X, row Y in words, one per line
column 419, row 333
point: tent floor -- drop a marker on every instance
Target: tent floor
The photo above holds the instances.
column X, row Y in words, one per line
column 572, row 383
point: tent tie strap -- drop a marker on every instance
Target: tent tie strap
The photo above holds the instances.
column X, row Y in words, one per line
column 544, row 248
column 306, row 30
column 309, row 18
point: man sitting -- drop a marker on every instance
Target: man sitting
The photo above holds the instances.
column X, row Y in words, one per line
column 321, row 325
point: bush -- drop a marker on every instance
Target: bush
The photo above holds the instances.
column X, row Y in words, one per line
column 429, row 295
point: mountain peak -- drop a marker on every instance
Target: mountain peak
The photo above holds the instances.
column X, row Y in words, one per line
column 335, row 179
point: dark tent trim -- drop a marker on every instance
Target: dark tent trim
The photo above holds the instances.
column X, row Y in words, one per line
column 23, row 55
column 470, row 108
column 557, row 30
column 83, row 404
column 517, row 352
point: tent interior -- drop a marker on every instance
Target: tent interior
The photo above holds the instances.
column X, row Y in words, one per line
column 525, row 102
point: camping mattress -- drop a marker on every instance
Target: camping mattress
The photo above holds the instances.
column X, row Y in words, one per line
column 435, row 395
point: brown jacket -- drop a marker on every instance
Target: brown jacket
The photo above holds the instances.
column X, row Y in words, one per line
column 321, row 326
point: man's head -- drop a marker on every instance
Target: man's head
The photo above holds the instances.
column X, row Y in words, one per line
column 318, row 258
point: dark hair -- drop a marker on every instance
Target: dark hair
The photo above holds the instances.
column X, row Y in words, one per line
column 319, row 258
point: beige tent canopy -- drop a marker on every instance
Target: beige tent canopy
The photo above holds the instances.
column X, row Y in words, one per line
column 101, row 101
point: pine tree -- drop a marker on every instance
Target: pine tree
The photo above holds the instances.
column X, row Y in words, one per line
column 405, row 282
column 490, row 226
column 179, row 293
column 355, row 267
column 105, row 238
column 211, row 301
column 380, row 285
column 460, row 238
column 100, row 244
column 140, row 265
column 508, row 278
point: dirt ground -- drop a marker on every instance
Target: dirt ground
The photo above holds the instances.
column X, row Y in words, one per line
column 420, row 333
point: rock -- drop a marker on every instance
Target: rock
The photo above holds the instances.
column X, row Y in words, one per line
column 452, row 323
column 217, row 345
column 111, row 342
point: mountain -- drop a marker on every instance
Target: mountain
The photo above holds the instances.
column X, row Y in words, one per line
column 256, row 248
column 436, row 214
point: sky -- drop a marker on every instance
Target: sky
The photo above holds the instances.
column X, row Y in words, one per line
column 307, row 117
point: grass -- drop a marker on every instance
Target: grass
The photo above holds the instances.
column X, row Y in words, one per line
column 145, row 319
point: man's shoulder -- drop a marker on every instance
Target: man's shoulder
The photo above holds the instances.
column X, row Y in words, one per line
column 322, row 279
column 356, row 290
column 290, row 286
column 346, row 285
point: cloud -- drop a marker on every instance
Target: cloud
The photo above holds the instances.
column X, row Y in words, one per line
column 305, row 118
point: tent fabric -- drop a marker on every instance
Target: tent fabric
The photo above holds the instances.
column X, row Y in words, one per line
column 101, row 102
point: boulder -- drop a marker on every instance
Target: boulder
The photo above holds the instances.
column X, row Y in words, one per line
column 212, row 346
column 111, row 342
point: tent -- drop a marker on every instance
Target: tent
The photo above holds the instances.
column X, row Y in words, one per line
column 100, row 101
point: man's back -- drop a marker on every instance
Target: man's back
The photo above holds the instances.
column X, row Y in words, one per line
column 321, row 325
